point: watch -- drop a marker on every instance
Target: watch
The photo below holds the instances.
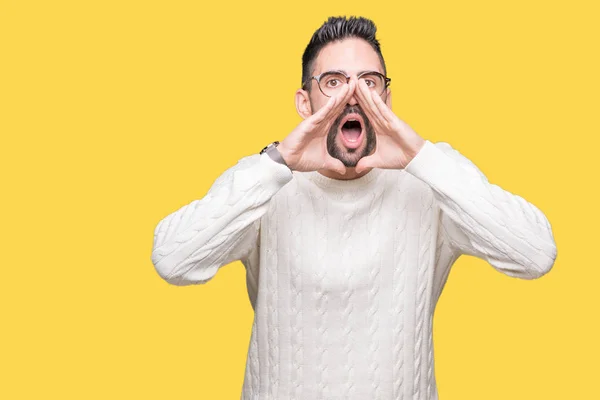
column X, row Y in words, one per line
column 271, row 150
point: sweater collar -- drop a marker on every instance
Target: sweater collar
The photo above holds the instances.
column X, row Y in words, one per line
column 346, row 184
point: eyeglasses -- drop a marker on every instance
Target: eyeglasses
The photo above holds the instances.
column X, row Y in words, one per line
column 330, row 82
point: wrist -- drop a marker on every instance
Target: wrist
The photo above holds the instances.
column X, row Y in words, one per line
column 283, row 151
column 415, row 149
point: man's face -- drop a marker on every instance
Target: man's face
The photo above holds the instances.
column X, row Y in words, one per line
column 347, row 141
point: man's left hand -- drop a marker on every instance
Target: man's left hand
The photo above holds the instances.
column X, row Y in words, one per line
column 397, row 143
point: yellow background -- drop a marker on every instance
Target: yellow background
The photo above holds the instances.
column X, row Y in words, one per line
column 114, row 114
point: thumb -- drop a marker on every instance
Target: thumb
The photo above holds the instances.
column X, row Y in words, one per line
column 366, row 162
column 335, row 165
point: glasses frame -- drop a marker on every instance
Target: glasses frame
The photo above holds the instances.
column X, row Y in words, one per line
column 318, row 79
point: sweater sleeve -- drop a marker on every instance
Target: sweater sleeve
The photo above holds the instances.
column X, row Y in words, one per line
column 192, row 243
column 482, row 219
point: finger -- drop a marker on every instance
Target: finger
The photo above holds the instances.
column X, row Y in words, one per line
column 348, row 91
column 383, row 108
column 335, row 165
column 320, row 115
column 367, row 95
column 365, row 105
column 325, row 112
column 366, row 163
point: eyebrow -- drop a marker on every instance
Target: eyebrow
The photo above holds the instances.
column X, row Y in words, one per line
column 358, row 73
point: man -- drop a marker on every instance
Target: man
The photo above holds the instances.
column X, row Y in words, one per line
column 348, row 230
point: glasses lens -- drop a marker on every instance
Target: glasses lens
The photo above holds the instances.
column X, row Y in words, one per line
column 332, row 82
column 374, row 81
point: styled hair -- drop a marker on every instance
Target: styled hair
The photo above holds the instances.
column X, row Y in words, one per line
column 336, row 29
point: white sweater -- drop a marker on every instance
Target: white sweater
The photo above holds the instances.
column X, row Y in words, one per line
column 344, row 275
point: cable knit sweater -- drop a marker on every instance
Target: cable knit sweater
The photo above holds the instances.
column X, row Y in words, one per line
column 344, row 275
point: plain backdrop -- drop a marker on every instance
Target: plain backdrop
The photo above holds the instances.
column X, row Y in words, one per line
column 114, row 114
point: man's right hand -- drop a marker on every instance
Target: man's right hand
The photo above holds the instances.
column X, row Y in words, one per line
column 305, row 148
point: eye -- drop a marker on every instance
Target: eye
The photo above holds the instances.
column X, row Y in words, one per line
column 333, row 82
column 370, row 82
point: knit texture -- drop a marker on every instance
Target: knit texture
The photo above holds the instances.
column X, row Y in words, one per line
column 344, row 275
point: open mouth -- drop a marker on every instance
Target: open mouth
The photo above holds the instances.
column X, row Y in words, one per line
column 352, row 131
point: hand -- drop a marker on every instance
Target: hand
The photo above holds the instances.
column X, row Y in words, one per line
column 397, row 143
column 305, row 148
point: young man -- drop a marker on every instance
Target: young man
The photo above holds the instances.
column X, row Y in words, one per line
column 348, row 230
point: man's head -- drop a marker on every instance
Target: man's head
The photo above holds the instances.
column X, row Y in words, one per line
column 348, row 45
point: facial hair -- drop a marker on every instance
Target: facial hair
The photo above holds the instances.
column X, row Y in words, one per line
column 350, row 157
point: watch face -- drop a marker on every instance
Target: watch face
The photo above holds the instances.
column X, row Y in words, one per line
column 266, row 147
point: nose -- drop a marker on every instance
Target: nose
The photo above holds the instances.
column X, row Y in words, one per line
column 352, row 100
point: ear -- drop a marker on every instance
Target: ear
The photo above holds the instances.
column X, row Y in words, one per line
column 303, row 106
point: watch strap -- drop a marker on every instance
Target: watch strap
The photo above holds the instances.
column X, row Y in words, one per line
column 271, row 150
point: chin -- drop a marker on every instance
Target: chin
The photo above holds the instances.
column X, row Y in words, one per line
column 349, row 163
column 350, row 159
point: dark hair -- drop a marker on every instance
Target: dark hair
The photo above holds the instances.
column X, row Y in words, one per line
column 338, row 29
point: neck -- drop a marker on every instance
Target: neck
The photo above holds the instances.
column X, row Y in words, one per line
column 350, row 174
